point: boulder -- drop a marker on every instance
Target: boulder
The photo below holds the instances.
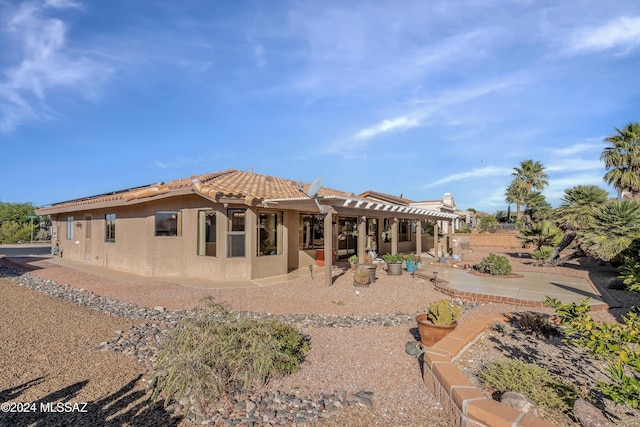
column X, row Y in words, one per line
column 588, row 415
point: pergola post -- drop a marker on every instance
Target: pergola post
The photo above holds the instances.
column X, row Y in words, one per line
column 394, row 236
column 450, row 236
column 418, row 237
column 362, row 237
column 435, row 240
column 328, row 248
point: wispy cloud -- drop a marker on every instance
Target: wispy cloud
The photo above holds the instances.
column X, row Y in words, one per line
column 400, row 123
column 575, row 164
column 622, row 33
column 178, row 162
column 45, row 63
column 472, row 174
column 575, row 149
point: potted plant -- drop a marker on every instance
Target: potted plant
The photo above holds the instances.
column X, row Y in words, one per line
column 368, row 265
column 443, row 257
column 394, row 263
column 440, row 319
column 411, row 261
column 353, row 260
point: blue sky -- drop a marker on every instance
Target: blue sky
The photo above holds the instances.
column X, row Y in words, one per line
column 404, row 97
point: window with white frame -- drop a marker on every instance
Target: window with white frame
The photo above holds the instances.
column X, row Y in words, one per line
column 236, row 233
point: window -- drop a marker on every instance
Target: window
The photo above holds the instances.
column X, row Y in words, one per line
column 110, row 228
column 207, row 233
column 404, row 230
column 311, row 234
column 168, row 223
column 236, row 233
column 268, row 233
column 69, row 228
column 386, row 233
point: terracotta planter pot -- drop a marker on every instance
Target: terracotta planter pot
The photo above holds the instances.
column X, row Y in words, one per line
column 430, row 333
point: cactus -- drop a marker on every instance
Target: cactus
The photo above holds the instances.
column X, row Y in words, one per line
column 443, row 312
column 361, row 277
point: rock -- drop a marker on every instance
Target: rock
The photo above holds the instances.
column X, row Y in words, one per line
column 412, row 348
column 159, row 308
column 520, row 402
column 588, row 415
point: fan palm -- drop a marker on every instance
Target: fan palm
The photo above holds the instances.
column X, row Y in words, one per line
column 615, row 228
column 532, row 174
column 622, row 160
column 543, row 233
column 576, row 212
column 516, row 193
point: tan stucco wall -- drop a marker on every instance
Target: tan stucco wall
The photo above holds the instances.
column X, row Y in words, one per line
column 139, row 251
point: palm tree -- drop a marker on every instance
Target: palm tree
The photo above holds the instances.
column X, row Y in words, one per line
column 622, row 160
column 532, row 175
column 529, row 176
column 575, row 213
column 543, row 233
column 516, row 193
column 615, row 228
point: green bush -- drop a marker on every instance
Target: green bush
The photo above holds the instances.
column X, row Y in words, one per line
column 496, row 265
column 630, row 274
column 618, row 343
column 542, row 255
column 545, row 389
column 214, row 356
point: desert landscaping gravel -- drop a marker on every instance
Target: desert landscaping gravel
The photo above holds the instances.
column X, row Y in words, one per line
column 95, row 342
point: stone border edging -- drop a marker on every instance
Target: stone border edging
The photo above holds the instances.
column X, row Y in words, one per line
column 464, row 402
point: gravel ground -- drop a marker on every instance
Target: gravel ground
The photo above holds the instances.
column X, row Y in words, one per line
column 51, row 350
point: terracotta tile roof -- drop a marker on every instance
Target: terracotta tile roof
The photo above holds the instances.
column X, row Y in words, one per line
column 375, row 195
column 229, row 183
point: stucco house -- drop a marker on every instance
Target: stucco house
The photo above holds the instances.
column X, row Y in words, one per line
column 231, row 225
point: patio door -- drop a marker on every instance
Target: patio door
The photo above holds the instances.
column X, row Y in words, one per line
column 347, row 237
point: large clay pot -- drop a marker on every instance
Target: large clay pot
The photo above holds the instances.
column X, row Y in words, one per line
column 394, row 268
column 371, row 269
column 430, row 333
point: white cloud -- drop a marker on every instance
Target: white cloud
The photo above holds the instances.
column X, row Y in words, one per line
column 576, row 164
column 177, row 162
column 575, row 149
column 623, row 32
column 45, row 65
column 472, row 174
column 400, row 123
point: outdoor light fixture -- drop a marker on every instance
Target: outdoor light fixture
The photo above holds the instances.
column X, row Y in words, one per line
column 311, row 270
column 435, row 278
column 79, row 224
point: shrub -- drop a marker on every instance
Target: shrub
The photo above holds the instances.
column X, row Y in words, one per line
column 618, row 343
column 496, row 265
column 545, row 389
column 542, row 255
column 630, row 274
column 537, row 324
column 214, row 356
